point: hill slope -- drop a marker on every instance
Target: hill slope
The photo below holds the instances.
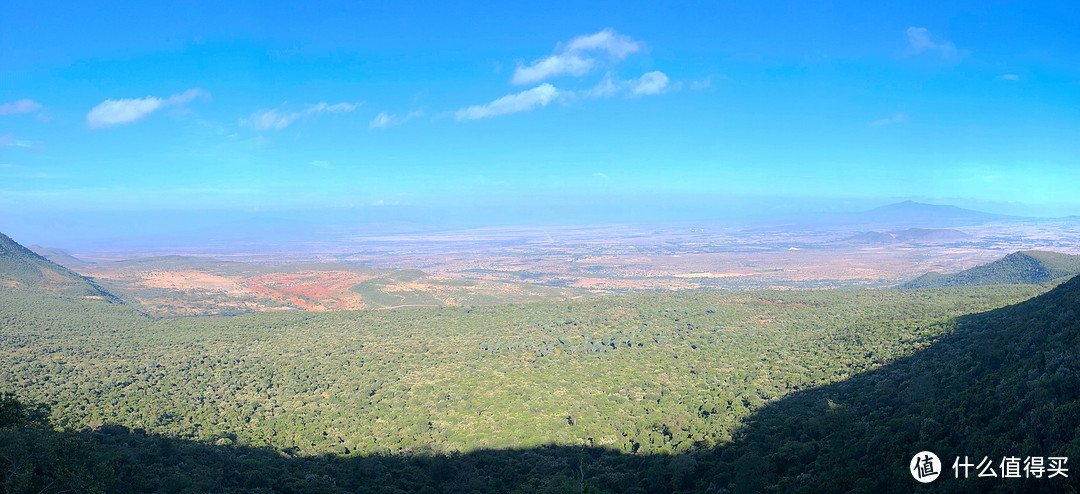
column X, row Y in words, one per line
column 996, row 384
column 59, row 256
column 920, row 235
column 1030, row 267
column 22, row 269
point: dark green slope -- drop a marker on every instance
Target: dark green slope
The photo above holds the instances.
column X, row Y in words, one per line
column 1000, row 383
column 22, row 269
column 1031, row 267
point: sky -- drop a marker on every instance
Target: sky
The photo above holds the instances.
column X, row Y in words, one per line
column 142, row 118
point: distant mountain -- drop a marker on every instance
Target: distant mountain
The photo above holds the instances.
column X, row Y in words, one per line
column 22, row 269
column 892, row 217
column 917, row 214
column 923, row 235
column 59, row 256
column 176, row 263
column 1019, row 268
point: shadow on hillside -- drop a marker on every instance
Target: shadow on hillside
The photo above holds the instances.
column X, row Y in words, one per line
column 1005, row 383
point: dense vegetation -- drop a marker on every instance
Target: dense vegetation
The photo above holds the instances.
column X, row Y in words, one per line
column 601, row 392
column 788, row 391
column 996, row 384
column 1030, row 267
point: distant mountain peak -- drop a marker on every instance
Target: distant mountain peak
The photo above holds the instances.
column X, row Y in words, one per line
column 910, row 205
column 910, row 214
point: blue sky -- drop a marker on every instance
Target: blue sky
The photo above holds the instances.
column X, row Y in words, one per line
column 187, row 115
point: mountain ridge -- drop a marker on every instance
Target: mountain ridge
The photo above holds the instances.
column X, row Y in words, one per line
column 23, row 269
column 919, row 235
column 59, row 256
column 1031, row 267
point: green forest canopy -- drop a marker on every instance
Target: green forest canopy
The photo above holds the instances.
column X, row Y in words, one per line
column 614, row 379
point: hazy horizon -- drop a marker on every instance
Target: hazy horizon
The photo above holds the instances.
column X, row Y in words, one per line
column 131, row 122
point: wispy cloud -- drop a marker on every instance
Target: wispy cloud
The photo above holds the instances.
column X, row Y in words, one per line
column 186, row 97
column 271, row 119
column 512, row 103
column 6, row 140
column 552, row 66
column 277, row 119
column 577, row 57
column 654, row 82
column 381, row 202
column 328, row 108
column 607, row 87
column 898, row 118
column 384, row 120
column 1010, row 77
column 113, row 112
column 920, row 40
column 320, row 164
column 20, row 106
column 705, row 83
column 650, row 83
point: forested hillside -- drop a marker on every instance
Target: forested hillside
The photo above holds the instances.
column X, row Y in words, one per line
column 22, row 269
column 1030, row 267
column 997, row 384
column 598, row 392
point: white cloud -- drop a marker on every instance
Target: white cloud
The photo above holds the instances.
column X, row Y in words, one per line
column 381, row 121
column 328, row 108
column 899, row 117
column 512, row 103
column 384, row 120
column 113, row 112
column 608, row 40
column 272, row 119
column 920, row 40
column 650, row 83
column 551, row 66
column 6, row 140
column 321, row 164
column 705, row 83
column 20, row 106
column 607, row 87
column 277, row 119
column 577, row 57
column 1010, row 77
column 186, row 97
column 654, row 82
